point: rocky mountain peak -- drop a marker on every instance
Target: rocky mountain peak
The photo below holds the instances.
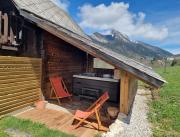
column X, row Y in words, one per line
column 99, row 37
column 118, row 35
column 122, row 44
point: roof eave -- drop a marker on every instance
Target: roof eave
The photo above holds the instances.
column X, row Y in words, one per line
column 89, row 49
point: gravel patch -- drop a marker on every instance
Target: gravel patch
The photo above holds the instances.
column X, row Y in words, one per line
column 136, row 124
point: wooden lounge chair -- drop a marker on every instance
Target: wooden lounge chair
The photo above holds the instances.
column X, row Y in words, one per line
column 58, row 89
column 94, row 109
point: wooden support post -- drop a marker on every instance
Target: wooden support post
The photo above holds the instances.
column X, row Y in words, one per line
column 41, row 72
column 124, row 90
column 5, row 37
column 0, row 27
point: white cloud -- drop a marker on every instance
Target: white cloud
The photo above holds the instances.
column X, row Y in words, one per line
column 173, row 39
column 64, row 4
column 173, row 25
column 117, row 16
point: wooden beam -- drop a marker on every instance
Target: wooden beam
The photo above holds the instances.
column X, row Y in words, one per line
column 9, row 48
column 124, row 90
column 5, row 37
column 0, row 26
column 41, row 97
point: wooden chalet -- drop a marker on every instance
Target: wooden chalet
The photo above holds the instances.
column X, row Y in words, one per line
column 40, row 29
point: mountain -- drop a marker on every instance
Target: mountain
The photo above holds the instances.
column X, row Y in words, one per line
column 177, row 55
column 122, row 44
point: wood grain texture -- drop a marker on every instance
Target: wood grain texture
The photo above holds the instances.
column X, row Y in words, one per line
column 124, row 92
column 58, row 120
column 5, row 37
column 19, row 106
column 62, row 59
column 20, row 82
column 128, row 90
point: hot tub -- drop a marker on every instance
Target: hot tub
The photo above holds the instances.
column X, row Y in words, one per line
column 93, row 87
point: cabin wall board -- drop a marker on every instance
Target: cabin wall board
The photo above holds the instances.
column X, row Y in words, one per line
column 20, row 80
column 63, row 59
column 31, row 42
column 133, row 86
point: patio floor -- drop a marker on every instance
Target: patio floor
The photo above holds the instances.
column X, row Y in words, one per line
column 58, row 120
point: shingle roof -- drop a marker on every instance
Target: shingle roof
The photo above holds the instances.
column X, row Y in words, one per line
column 65, row 28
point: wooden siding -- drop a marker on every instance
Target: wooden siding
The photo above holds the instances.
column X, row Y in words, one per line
column 20, row 80
column 63, row 59
column 133, row 86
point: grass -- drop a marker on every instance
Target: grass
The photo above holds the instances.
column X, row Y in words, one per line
column 35, row 129
column 165, row 112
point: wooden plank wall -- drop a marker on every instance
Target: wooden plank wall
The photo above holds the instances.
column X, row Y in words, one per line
column 62, row 59
column 20, row 79
column 133, row 86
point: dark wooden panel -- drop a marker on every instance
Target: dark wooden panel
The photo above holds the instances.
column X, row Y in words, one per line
column 62, row 59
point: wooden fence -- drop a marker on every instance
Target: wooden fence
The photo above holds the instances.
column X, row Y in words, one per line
column 20, row 82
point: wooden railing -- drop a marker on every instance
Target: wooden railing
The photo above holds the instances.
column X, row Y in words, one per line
column 6, row 32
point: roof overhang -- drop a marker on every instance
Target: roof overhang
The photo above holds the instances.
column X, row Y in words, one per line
column 135, row 68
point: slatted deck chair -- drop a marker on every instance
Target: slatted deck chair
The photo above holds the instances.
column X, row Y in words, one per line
column 58, row 89
column 94, row 109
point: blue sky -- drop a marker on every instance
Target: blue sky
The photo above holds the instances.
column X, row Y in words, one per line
column 156, row 22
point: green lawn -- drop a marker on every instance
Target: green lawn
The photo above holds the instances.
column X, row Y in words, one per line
column 35, row 129
column 165, row 112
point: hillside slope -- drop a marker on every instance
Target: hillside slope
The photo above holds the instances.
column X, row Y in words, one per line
column 134, row 49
